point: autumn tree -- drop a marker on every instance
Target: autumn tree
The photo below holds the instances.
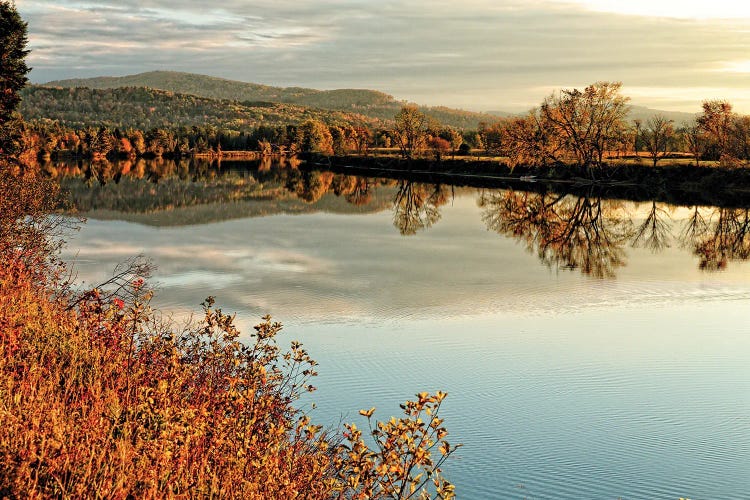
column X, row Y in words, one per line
column 532, row 140
column 657, row 136
column 716, row 122
column 439, row 146
column 456, row 140
column 13, row 72
column 740, row 138
column 340, row 139
column 410, row 131
column 362, row 136
column 315, row 137
column 101, row 142
column 589, row 122
column 160, row 141
column 490, row 136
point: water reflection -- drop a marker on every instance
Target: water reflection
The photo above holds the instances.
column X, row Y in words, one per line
column 584, row 232
column 598, row 384
column 417, row 206
column 722, row 236
column 569, row 232
column 655, row 232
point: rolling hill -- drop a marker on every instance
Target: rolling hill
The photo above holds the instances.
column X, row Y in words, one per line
column 170, row 98
column 370, row 103
column 189, row 83
column 145, row 108
column 678, row 117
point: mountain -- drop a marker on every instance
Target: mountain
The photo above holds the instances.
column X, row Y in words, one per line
column 193, row 99
column 644, row 114
column 145, row 108
column 636, row 113
column 189, row 83
column 370, row 103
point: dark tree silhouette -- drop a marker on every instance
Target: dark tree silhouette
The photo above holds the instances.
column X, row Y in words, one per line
column 13, row 72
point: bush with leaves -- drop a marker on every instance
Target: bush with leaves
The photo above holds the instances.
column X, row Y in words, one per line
column 401, row 465
column 99, row 398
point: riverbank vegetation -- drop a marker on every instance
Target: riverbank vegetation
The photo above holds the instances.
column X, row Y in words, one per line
column 586, row 128
column 102, row 398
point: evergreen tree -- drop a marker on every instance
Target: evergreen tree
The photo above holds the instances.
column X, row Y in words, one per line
column 13, row 72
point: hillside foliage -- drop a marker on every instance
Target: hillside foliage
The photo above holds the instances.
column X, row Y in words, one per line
column 144, row 108
column 373, row 104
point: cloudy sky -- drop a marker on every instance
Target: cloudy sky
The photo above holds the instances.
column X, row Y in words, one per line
column 475, row 54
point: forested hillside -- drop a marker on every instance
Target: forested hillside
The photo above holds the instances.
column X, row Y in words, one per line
column 371, row 103
column 145, row 108
column 188, row 83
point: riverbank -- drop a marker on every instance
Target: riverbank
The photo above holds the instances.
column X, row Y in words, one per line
column 676, row 183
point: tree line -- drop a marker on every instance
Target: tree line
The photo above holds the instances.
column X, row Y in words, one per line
column 47, row 139
column 587, row 127
column 571, row 127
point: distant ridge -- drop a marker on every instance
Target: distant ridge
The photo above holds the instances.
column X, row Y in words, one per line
column 199, row 85
column 370, row 103
column 146, row 108
column 678, row 117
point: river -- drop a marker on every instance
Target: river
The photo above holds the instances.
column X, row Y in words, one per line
column 590, row 347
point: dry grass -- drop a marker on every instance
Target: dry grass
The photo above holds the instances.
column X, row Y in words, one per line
column 99, row 399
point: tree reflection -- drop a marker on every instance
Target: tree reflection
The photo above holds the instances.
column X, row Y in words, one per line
column 417, row 206
column 356, row 190
column 655, row 231
column 309, row 186
column 721, row 236
column 564, row 231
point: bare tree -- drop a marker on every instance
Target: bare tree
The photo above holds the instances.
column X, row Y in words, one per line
column 657, row 137
column 695, row 140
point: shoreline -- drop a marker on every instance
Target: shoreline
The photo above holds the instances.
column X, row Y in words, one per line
column 676, row 184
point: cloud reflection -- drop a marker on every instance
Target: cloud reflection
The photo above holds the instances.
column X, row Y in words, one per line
column 321, row 268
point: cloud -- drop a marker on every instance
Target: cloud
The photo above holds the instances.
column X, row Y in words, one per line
column 675, row 9
column 479, row 54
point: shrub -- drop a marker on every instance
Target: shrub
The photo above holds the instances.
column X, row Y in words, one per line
column 101, row 399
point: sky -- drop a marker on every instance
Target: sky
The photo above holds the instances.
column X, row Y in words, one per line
column 475, row 54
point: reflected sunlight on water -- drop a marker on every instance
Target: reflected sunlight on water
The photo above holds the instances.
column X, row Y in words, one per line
column 580, row 361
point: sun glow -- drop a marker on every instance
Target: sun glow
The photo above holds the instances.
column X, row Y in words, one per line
column 679, row 9
column 737, row 67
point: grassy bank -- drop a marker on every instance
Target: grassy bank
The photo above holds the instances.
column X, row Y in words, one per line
column 101, row 398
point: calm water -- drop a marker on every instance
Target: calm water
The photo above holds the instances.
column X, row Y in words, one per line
column 590, row 348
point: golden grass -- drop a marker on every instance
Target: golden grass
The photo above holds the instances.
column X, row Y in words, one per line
column 99, row 399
